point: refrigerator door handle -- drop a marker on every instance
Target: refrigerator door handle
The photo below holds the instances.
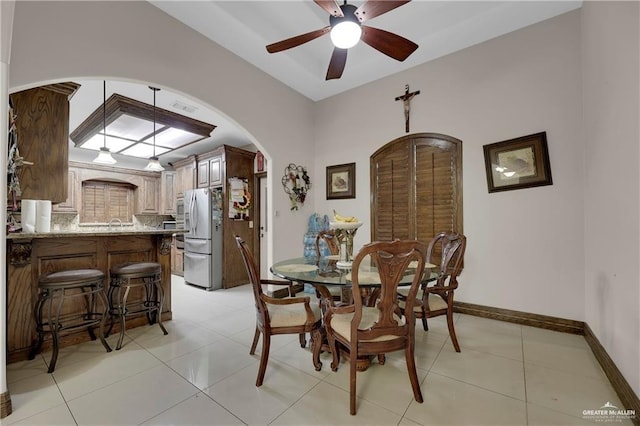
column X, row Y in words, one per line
column 193, row 212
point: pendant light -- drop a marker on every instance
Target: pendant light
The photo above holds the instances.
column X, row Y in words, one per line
column 154, row 164
column 104, row 156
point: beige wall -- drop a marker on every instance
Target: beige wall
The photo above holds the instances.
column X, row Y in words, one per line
column 523, row 245
column 611, row 50
column 135, row 41
column 539, row 250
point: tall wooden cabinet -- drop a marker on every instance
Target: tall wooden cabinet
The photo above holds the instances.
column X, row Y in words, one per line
column 42, row 127
column 220, row 165
column 185, row 175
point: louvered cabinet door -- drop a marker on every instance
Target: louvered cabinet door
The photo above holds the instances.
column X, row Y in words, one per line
column 416, row 186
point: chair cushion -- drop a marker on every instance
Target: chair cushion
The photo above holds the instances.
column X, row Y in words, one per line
column 291, row 315
column 136, row 270
column 341, row 324
column 435, row 303
column 70, row 278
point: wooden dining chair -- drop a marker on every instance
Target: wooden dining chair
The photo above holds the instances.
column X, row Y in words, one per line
column 329, row 239
column 379, row 329
column 291, row 315
column 437, row 299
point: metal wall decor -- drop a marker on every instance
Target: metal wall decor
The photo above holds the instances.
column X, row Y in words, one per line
column 296, row 184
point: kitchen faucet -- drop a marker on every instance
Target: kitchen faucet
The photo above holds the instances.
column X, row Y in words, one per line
column 115, row 219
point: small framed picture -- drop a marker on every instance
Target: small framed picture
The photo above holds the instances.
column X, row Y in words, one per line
column 518, row 163
column 341, row 181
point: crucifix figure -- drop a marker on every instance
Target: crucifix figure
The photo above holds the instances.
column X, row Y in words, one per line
column 406, row 101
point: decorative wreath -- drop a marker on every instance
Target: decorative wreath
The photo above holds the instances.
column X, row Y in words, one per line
column 296, row 184
column 243, row 206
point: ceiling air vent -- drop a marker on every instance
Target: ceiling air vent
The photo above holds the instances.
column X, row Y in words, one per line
column 183, row 107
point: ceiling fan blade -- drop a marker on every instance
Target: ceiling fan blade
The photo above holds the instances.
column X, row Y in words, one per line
column 371, row 9
column 399, row 48
column 331, row 6
column 297, row 40
column 337, row 63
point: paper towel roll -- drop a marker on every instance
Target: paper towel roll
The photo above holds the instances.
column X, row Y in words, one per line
column 28, row 215
column 43, row 216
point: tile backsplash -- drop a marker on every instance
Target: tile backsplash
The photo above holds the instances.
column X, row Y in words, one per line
column 69, row 222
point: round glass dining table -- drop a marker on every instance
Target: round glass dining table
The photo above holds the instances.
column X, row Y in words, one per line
column 323, row 271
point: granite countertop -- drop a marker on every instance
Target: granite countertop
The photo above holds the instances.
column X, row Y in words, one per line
column 105, row 233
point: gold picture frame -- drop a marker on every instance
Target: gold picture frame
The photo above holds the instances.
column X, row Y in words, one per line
column 518, row 163
column 341, row 181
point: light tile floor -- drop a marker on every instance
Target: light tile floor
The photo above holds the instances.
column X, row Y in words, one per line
column 202, row 374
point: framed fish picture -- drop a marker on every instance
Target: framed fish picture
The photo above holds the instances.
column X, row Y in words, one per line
column 341, row 181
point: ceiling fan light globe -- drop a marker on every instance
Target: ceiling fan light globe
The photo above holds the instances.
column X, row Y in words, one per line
column 346, row 34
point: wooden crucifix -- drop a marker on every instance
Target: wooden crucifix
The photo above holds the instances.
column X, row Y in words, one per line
column 406, row 101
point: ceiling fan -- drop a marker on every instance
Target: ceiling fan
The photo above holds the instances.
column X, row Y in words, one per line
column 345, row 26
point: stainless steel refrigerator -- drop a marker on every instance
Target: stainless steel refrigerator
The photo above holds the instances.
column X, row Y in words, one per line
column 203, row 241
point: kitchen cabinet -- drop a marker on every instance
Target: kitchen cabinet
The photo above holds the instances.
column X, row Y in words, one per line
column 42, row 127
column 235, row 162
column 213, row 169
column 210, row 171
column 185, row 175
column 148, row 196
column 70, row 204
column 177, row 259
column 29, row 255
column 147, row 185
column 168, row 193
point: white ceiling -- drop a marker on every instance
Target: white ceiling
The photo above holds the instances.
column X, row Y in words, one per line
column 438, row 27
column 246, row 27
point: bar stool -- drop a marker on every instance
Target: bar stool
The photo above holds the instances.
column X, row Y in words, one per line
column 126, row 276
column 58, row 287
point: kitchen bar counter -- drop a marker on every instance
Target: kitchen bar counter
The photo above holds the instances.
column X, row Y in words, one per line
column 29, row 255
column 112, row 233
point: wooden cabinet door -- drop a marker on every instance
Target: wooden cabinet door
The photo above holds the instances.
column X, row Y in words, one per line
column 42, row 126
column 69, row 205
column 185, row 179
column 168, row 193
column 179, row 266
column 148, row 200
column 215, row 171
column 203, row 174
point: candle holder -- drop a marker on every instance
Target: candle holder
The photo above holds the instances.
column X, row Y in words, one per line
column 345, row 231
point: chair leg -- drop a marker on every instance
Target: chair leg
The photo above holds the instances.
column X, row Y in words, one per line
column 256, row 337
column 452, row 330
column 382, row 359
column 316, row 346
column 303, row 340
column 37, row 346
column 122, row 309
column 264, row 358
column 159, row 297
column 335, row 352
column 54, row 324
column 103, row 319
column 424, row 323
column 413, row 375
column 352, row 382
